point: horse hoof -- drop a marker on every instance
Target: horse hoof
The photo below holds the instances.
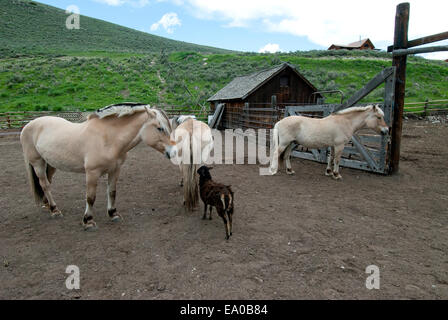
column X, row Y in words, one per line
column 90, row 226
column 290, row 172
column 337, row 177
column 116, row 218
column 56, row 214
column 329, row 173
column 272, row 172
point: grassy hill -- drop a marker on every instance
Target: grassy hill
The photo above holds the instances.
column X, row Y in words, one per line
column 90, row 80
column 86, row 70
column 31, row 27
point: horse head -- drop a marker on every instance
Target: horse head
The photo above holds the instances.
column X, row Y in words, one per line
column 375, row 120
column 156, row 132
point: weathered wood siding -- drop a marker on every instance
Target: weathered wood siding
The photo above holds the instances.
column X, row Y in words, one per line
column 287, row 86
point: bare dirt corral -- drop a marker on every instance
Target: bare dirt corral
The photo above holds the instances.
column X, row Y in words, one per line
column 295, row 237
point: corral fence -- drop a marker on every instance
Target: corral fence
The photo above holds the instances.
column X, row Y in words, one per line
column 16, row 120
column 426, row 108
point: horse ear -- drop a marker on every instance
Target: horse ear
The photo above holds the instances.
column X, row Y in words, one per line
column 374, row 108
column 152, row 113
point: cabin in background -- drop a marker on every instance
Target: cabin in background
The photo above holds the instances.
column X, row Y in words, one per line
column 364, row 44
column 270, row 89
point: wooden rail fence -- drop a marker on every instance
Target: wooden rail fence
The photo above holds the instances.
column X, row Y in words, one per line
column 18, row 119
column 427, row 107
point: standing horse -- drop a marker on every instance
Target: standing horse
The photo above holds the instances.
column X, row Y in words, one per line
column 95, row 147
column 333, row 131
column 177, row 120
column 194, row 142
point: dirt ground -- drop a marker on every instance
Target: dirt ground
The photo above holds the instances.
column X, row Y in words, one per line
column 295, row 237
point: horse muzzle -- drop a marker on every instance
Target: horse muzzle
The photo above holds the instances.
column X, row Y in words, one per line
column 384, row 131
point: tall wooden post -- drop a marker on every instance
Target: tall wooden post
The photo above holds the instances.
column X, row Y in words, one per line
column 400, row 42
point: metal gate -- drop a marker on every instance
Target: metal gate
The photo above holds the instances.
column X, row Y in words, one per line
column 366, row 150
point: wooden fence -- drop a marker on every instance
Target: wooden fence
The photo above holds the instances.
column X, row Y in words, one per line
column 18, row 119
column 426, row 108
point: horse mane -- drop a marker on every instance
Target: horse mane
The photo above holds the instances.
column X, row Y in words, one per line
column 129, row 108
column 121, row 109
column 182, row 118
column 359, row 109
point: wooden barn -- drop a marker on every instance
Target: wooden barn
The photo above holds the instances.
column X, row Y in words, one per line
column 364, row 44
column 257, row 100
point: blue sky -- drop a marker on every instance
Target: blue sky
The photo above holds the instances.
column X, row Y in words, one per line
column 250, row 25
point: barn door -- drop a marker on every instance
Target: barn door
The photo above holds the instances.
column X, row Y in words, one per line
column 365, row 151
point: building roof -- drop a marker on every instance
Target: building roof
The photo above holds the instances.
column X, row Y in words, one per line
column 356, row 44
column 242, row 87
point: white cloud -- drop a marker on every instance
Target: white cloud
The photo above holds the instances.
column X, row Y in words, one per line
column 270, row 48
column 116, row 3
column 436, row 55
column 325, row 22
column 168, row 22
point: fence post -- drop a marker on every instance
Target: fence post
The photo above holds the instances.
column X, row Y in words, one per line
column 274, row 109
column 426, row 107
column 400, row 42
column 9, row 121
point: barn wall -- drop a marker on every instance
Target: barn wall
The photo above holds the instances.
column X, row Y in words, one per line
column 297, row 90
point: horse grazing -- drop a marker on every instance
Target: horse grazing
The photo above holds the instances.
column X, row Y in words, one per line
column 333, row 131
column 194, row 142
column 95, row 147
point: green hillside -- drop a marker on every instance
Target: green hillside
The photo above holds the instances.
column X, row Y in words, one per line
column 85, row 70
column 91, row 80
column 31, row 27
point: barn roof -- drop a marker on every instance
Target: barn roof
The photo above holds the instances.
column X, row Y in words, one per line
column 356, row 44
column 242, row 87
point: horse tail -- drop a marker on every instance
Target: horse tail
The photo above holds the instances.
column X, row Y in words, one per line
column 275, row 137
column 191, row 188
column 33, row 180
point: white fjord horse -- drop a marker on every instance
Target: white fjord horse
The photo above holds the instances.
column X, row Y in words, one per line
column 194, row 143
column 333, row 131
column 95, row 147
column 177, row 120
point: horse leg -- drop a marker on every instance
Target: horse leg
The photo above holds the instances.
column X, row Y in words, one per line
column 274, row 163
column 210, row 213
column 337, row 157
column 50, row 173
column 287, row 157
column 181, row 184
column 329, row 171
column 112, row 178
column 40, row 168
column 91, row 182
